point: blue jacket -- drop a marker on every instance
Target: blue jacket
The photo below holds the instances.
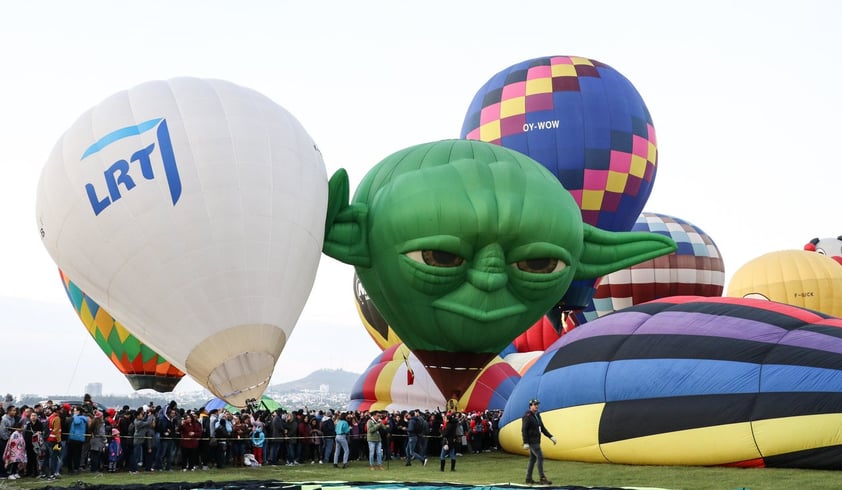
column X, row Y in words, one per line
column 257, row 438
column 78, row 428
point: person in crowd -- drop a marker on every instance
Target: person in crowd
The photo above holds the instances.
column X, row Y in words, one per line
column 375, row 442
column 33, row 437
column 258, row 440
column 475, row 438
column 213, row 443
column 166, row 429
column 399, row 438
column 191, row 432
column 305, row 447
column 14, row 454
column 240, row 438
column 115, row 450
column 203, row 451
column 449, row 440
column 87, row 409
column 343, row 431
column 436, row 423
column 98, row 442
column 274, row 433
column 462, row 431
column 79, row 426
column 7, row 422
column 414, row 431
column 223, row 431
column 144, row 438
column 328, row 428
column 358, row 447
column 316, row 441
column 494, row 441
column 532, row 427
column 55, row 426
column 125, row 425
column 291, row 435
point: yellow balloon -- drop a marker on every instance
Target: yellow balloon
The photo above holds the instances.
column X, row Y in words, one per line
column 376, row 326
column 795, row 277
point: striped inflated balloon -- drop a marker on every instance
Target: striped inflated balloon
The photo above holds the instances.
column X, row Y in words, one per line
column 385, row 385
column 691, row 381
column 696, row 268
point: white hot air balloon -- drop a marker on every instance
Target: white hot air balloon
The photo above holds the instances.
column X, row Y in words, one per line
column 194, row 211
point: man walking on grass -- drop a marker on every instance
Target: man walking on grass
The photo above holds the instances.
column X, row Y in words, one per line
column 532, row 429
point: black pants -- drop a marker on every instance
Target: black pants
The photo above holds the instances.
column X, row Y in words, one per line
column 74, row 454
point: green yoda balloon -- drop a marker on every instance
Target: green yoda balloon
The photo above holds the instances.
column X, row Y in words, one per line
column 462, row 245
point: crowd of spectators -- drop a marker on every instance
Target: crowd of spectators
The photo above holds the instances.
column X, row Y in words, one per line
column 49, row 440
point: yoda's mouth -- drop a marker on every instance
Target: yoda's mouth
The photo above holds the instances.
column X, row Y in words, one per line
column 478, row 314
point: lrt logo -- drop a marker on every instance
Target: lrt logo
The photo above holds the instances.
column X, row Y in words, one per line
column 117, row 175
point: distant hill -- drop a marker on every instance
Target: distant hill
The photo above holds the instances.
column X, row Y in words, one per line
column 340, row 381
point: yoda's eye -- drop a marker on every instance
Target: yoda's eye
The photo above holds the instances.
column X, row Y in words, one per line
column 820, row 251
column 540, row 266
column 436, row 258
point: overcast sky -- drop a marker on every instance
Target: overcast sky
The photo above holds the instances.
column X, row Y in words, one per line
column 744, row 96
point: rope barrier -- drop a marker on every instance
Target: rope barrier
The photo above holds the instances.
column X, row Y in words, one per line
column 248, row 438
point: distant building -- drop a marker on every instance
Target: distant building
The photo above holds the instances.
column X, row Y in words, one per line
column 94, row 389
column 324, row 389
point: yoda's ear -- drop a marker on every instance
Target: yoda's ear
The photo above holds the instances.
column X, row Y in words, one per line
column 606, row 251
column 346, row 235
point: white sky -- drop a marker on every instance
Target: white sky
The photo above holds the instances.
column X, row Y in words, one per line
column 745, row 97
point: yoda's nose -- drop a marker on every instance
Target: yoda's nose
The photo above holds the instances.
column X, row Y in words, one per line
column 488, row 271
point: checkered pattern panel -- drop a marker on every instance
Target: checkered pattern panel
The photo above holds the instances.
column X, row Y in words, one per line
column 694, row 269
column 582, row 120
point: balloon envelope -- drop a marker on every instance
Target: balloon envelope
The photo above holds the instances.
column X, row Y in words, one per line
column 831, row 246
column 537, row 338
column 143, row 367
column 696, row 268
column 265, row 403
column 377, row 327
column 795, row 277
column 586, row 123
column 385, row 385
column 192, row 210
column 691, row 381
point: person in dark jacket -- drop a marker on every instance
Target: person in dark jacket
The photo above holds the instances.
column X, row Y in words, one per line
column 449, row 440
column 329, row 433
column 532, row 428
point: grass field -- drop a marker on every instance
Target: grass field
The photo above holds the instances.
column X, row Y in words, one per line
column 483, row 469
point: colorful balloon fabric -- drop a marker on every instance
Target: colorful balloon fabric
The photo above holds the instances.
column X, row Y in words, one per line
column 539, row 337
column 377, row 327
column 832, row 247
column 192, row 210
column 530, row 345
column 463, row 245
column 385, row 385
column 691, row 381
column 586, row 123
column 795, row 277
column 696, row 268
column 266, row 403
column 142, row 366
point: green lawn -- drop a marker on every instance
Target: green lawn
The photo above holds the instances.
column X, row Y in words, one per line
column 487, row 469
